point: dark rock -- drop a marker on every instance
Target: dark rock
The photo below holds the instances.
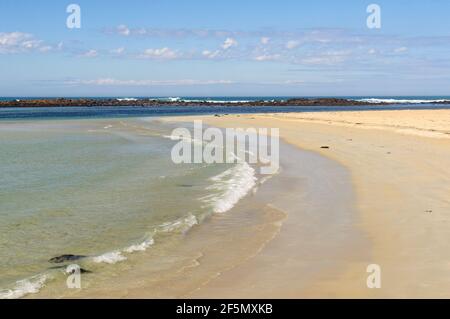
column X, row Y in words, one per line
column 325, row 147
column 82, row 270
column 89, row 102
column 64, row 258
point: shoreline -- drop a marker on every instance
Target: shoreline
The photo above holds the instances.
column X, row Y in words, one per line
column 400, row 167
column 392, row 169
column 225, row 241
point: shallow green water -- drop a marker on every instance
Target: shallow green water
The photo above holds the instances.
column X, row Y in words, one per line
column 91, row 187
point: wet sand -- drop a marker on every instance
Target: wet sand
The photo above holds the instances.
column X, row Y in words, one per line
column 282, row 232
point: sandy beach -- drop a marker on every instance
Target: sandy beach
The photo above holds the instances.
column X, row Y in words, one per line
column 354, row 189
column 399, row 163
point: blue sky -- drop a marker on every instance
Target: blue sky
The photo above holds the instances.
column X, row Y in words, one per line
column 219, row 48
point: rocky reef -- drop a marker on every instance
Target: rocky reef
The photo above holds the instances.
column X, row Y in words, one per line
column 148, row 102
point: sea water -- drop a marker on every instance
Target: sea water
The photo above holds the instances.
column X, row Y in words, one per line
column 101, row 188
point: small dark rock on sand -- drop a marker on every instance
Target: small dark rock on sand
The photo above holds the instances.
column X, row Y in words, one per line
column 325, row 147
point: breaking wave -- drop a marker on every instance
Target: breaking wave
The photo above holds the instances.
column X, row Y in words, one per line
column 233, row 184
column 402, row 101
column 24, row 287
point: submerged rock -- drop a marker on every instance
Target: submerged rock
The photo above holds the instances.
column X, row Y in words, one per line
column 185, row 185
column 64, row 258
column 82, row 270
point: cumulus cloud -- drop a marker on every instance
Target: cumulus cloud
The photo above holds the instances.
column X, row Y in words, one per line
column 400, row 50
column 123, row 30
column 17, row 42
column 228, row 43
column 89, row 54
column 211, row 54
column 265, row 40
column 118, row 51
column 267, row 57
column 162, row 53
column 292, row 44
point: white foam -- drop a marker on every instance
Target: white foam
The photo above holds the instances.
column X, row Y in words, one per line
column 401, row 101
column 110, row 258
column 233, row 185
column 169, row 99
column 140, row 247
column 127, row 99
column 182, row 224
column 216, row 101
column 211, row 101
column 24, row 287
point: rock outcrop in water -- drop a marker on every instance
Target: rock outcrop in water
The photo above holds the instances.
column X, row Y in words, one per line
column 147, row 102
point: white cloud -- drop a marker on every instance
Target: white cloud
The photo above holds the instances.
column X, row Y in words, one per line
column 400, row 50
column 267, row 57
column 229, row 42
column 117, row 82
column 265, row 40
column 118, row 51
column 45, row 49
column 210, row 54
column 162, row 53
column 123, row 30
column 16, row 42
column 292, row 44
column 89, row 54
column 327, row 58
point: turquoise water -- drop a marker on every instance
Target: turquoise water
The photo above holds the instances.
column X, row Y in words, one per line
column 100, row 188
